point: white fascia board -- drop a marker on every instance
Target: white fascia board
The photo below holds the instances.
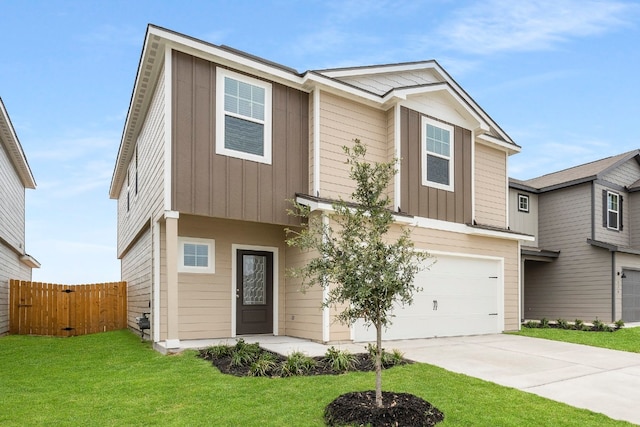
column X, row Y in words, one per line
column 15, row 151
column 378, row 69
column 421, row 222
column 29, row 261
column 492, row 141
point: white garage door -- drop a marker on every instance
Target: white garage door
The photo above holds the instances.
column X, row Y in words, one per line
column 460, row 296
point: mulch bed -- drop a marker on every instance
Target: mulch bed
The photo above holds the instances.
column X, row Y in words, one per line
column 357, row 408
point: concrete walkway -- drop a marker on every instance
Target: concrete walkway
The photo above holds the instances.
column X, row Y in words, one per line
column 605, row 381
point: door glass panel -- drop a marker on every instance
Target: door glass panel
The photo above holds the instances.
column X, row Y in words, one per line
column 254, row 279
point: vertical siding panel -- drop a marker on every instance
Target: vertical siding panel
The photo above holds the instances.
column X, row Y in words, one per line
column 183, row 128
column 467, row 177
column 404, row 161
column 413, row 153
column 250, row 193
column 202, row 146
column 235, row 187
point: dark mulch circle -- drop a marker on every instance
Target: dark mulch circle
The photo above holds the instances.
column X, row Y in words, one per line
column 399, row 409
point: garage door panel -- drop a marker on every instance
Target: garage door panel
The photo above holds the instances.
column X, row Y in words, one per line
column 459, row 296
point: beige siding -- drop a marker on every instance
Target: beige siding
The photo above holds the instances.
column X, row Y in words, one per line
column 137, row 272
column 602, row 233
column 383, row 82
column 10, row 268
column 342, row 121
column 578, row 283
column 303, row 316
column 524, row 222
column 205, row 299
column 149, row 202
column 490, row 186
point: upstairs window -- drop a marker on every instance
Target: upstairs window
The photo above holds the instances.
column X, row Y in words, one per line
column 613, row 211
column 523, row 203
column 437, row 154
column 243, row 125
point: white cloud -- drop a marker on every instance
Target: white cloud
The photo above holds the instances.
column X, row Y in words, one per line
column 506, row 25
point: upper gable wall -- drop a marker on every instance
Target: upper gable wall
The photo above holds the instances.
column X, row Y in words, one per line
column 12, row 203
column 384, row 82
column 209, row 184
column 625, row 174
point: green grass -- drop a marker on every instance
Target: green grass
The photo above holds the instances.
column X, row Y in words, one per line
column 626, row 339
column 112, row 379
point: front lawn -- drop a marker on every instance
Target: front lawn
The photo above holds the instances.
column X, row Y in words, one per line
column 112, row 379
column 625, row 339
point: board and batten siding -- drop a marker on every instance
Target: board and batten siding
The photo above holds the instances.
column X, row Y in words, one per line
column 341, row 122
column 490, row 186
column 524, row 222
column 205, row 299
column 209, row 184
column 136, row 270
column 576, row 285
column 149, row 202
column 428, row 202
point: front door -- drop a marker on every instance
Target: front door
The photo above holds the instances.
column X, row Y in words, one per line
column 254, row 292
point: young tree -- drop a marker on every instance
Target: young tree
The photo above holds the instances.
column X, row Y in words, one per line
column 364, row 271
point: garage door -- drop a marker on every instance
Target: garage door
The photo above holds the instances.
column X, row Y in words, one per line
column 631, row 296
column 460, row 296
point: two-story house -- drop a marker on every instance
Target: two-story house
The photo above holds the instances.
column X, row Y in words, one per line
column 15, row 177
column 217, row 142
column 585, row 260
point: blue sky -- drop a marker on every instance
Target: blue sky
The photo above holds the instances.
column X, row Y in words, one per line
column 560, row 77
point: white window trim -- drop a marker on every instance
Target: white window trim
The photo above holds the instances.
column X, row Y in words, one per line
column 220, row 115
column 617, row 212
column 524, row 196
column 425, row 182
column 211, row 269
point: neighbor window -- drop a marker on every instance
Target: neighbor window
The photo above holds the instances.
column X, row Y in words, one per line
column 613, row 211
column 243, row 118
column 196, row 255
column 437, row 154
column 523, row 203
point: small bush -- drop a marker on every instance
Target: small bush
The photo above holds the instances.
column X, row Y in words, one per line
column 600, row 326
column 296, row 364
column 244, row 354
column 388, row 359
column 544, row 323
column 562, row 324
column 532, row 324
column 619, row 324
column 218, row 351
column 578, row 325
column 264, row 366
column 339, row 360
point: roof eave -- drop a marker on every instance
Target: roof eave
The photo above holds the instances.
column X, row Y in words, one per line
column 14, row 149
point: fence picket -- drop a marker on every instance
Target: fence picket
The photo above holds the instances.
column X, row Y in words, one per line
column 45, row 309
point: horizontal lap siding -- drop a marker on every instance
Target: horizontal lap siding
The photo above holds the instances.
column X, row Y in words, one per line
column 491, row 186
column 205, row 299
column 602, row 233
column 208, row 184
column 578, row 283
column 136, row 271
column 428, row 202
column 10, row 268
column 341, row 122
column 524, row 222
column 149, row 202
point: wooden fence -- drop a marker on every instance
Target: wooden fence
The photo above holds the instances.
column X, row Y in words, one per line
column 66, row 310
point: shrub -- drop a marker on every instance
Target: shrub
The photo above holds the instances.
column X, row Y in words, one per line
column 296, row 364
column 578, row 325
column 562, row 324
column 244, row 354
column 600, row 326
column 218, row 351
column 532, row 324
column 544, row 323
column 339, row 360
column 388, row 359
column 264, row 366
column 619, row 324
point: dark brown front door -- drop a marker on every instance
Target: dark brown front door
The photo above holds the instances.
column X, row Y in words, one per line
column 254, row 292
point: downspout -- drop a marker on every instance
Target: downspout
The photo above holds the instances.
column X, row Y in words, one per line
column 593, row 210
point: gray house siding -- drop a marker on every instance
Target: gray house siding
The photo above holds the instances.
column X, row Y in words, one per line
column 524, row 222
column 619, row 237
column 633, row 210
column 578, row 283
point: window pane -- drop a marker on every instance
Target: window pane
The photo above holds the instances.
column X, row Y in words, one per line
column 438, row 140
column 244, row 91
column 230, row 86
column 437, row 170
column 613, row 202
column 244, row 107
column 254, row 280
column 613, row 219
column 230, row 104
column 242, row 135
column 189, row 249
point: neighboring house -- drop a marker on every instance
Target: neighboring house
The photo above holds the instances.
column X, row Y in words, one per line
column 585, row 261
column 15, row 177
column 217, row 142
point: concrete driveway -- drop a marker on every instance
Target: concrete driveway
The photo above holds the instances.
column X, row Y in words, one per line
column 605, row 381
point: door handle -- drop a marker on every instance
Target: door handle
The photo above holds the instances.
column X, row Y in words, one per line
column 435, row 305
column 493, row 314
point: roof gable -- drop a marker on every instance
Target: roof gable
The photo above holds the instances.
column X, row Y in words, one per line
column 10, row 142
column 579, row 174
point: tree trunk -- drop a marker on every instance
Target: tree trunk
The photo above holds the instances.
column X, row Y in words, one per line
column 379, row 364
